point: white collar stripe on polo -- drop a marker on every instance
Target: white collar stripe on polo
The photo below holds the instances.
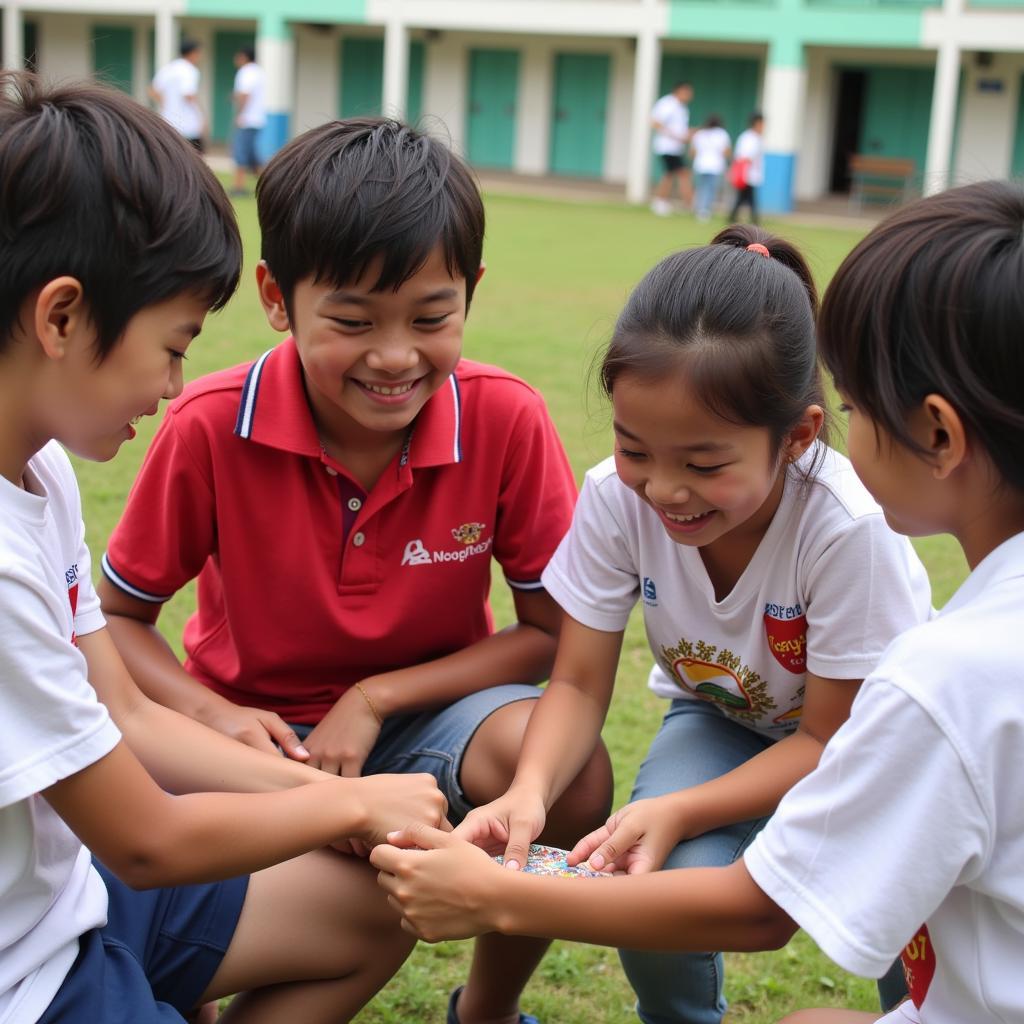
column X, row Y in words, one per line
column 122, row 584
column 247, row 406
column 457, row 399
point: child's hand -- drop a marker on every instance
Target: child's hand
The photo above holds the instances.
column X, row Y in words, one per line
column 394, row 801
column 342, row 741
column 442, row 885
column 254, row 727
column 505, row 826
column 636, row 839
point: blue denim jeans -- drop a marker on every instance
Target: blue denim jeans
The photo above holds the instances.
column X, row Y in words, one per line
column 705, row 193
column 696, row 743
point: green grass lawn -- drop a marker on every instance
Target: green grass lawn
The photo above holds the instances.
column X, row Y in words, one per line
column 557, row 275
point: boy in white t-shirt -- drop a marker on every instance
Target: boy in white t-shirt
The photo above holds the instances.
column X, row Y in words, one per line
column 909, row 835
column 117, row 241
column 175, row 90
column 711, row 147
column 249, row 97
column 670, row 118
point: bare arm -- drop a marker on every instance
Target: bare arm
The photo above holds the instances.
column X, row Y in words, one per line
column 521, row 653
column 560, row 737
column 123, row 806
column 641, row 835
column 449, row 889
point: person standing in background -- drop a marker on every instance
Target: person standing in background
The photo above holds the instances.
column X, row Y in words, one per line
column 175, row 91
column 249, row 98
column 671, row 119
column 748, row 167
column 711, row 147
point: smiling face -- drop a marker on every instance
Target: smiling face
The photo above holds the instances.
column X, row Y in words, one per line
column 703, row 476
column 102, row 400
column 373, row 359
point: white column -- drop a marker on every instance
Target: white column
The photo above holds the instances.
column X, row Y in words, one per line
column 165, row 42
column 941, row 126
column 645, row 89
column 14, row 55
column 396, row 66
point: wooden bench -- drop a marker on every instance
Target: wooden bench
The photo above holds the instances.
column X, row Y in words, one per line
column 883, row 179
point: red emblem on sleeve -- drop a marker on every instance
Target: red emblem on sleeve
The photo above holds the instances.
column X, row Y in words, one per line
column 787, row 640
column 918, row 958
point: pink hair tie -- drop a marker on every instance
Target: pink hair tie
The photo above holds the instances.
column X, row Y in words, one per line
column 758, row 247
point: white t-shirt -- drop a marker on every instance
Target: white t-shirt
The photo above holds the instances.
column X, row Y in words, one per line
column 827, row 589
column 750, row 146
column 709, row 148
column 250, row 81
column 915, row 813
column 674, row 116
column 176, row 82
column 52, row 726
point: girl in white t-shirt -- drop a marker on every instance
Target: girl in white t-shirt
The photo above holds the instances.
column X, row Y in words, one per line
column 769, row 582
column 711, row 147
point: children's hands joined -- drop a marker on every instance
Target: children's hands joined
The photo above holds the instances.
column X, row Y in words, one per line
column 440, row 884
column 342, row 741
column 636, row 839
column 506, row 826
column 255, row 728
column 394, row 801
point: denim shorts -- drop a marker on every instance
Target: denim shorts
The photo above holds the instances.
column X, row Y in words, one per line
column 435, row 741
column 154, row 958
column 245, row 149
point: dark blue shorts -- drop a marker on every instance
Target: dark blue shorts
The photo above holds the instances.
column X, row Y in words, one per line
column 245, row 148
column 155, row 957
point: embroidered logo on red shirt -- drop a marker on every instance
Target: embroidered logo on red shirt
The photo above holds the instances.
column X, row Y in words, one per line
column 787, row 640
column 918, row 958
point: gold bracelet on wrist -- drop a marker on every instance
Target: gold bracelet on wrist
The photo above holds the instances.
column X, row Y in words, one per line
column 369, row 703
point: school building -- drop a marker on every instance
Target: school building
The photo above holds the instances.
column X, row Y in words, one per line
column 565, row 87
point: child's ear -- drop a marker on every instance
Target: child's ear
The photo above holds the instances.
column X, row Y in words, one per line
column 57, row 314
column 271, row 298
column 942, row 434
column 803, row 435
column 480, row 272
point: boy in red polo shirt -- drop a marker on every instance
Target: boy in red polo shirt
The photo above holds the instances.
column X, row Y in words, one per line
column 340, row 500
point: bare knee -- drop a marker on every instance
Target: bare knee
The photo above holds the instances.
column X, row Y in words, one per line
column 585, row 804
column 489, row 763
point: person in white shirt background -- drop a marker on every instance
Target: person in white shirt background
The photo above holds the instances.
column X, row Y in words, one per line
column 175, row 91
column 748, row 168
column 249, row 97
column 671, row 120
column 711, row 148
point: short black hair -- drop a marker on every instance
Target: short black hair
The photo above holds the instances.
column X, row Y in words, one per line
column 754, row 118
column 740, row 326
column 248, row 52
column 189, row 46
column 932, row 302
column 95, row 186
column 340, row 196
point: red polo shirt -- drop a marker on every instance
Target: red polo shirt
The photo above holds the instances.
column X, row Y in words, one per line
column 306, row 584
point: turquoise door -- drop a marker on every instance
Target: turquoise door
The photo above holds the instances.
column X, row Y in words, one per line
column 581, row 109
column 897, row 109
column 491, row 123
column 113, row 55
column 225, row 46
column 362, row 77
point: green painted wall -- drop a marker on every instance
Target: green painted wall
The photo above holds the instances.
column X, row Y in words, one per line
column 274, row 18
column 789, row 25
column 362, row 76
column 1017, row 166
